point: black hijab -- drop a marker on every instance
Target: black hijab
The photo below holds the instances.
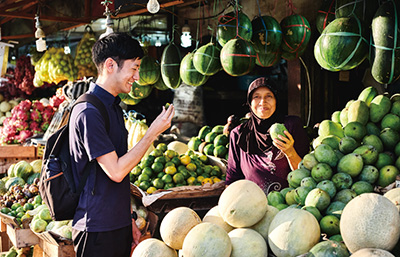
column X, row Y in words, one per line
column 254, row 135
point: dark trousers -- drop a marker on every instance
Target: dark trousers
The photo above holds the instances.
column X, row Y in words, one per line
column 115, row 243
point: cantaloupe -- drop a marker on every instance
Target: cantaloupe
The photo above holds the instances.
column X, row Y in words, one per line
column 370, row 220
column 242, row 204
column 207, row 240
column 179, row 147
column 176, row 224
column 153, row 247
column 371, row 252
column 247, row 242
column 293, row 232
column 263, row 225
column 394, row 196
column 213, row 216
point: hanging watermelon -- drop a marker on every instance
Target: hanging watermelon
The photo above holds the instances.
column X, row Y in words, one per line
column 238, row 57
column 149, row 71
column 189, row 74
column 268, row 60
column 206, row 59
column 321, row 61
column 296, row 33
column 267, row 34
column 128, row 99
column 363, row 9
column 170, row 61
column 325, row 15
column 385, row 46
column 291, row 56
column 140, row 92
column 343, row 44
column 160, row 85
column 230, row 27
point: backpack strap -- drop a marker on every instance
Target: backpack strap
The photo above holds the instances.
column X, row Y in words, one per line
column 103, row 111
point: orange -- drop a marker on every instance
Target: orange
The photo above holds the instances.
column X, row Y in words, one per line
column 151, row 190
column 191, row 167
column 207, row 180
column 185, row 159
column 171, row 170
column 191, row 180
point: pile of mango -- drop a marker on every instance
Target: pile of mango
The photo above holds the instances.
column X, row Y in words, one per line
column 164, row 168
column 83, row 58
column 54, row 66
column 211, row 141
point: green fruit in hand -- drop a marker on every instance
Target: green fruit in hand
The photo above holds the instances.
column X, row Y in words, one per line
column 277, row 129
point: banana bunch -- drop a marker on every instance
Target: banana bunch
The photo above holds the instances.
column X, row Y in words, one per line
column 137, row 128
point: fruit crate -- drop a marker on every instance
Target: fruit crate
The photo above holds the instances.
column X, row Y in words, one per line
column 10, row 154
column 21, row 237
column 53, row 245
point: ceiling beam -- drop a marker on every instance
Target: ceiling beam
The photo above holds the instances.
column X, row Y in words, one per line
column 17, row 36
column 45, row 17
column 18, row 5
column 27, row 7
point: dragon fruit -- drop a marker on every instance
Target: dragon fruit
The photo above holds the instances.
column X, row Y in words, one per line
column 47, row 114
column 21, row 125
column 23, row 135
column 20, row 114
column 25, row 105
column 36, row 116
column 35, row 128
column 45, row 125
column 37, row 106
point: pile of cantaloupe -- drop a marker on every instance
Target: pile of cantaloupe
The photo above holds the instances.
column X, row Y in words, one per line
column 243, row 224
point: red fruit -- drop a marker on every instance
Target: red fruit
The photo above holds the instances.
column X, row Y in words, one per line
column 36, row 116
column 37, row 106
column 23, row 135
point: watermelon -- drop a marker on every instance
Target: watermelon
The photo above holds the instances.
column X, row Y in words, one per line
column 321, row 61
column 385, row 46
column 343, row 45
column 325, row 14
column 268, row 60
column 296, row 33
column 160, row 85
column 23, row 169
column 127, row 99
column 149, row 71
column 14, row 181
column 329, row 248
column 267, row 34
column 206, row 59
column 140, row 92
column 291, row 56
column 362, row 9
column 170, row 61
column 189, row 74
column 32, row 177
column 229, row 27
column 238, row 57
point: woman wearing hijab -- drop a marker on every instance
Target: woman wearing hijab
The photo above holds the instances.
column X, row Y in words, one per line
column 253, row 155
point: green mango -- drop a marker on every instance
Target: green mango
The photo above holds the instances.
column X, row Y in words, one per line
column 368, row 153
column 379, row 107
column 355, row 130
column 375, row 141
column 335, row 117
column 391, row 120
column 368, row 94
column 328, row 127
column 387, row 175
column 351, row 164
column 358, row 111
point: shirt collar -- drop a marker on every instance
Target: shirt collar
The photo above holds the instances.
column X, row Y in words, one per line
column 107, row 98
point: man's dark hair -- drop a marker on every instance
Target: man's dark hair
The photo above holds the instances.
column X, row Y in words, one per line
column 118, row 46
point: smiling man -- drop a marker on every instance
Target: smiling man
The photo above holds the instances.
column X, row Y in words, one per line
column 102, row 224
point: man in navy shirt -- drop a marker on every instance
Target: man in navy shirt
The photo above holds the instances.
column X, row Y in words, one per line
column 102, row 223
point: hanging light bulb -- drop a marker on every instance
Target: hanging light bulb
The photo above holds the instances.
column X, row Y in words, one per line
column 158, row 42
column 186, row 38
column 109, row 21
column 153, row 6
column 39, row 34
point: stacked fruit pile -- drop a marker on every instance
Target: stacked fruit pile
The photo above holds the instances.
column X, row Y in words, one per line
column 53, row 67
column 164, row 168
column 211, row 141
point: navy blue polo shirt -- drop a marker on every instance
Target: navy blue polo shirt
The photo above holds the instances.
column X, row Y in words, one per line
column 109, row 207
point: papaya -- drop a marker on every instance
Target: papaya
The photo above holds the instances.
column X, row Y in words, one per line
column 358, row 111
column 379, row 107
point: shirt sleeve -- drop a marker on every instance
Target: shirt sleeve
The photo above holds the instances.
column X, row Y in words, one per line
column 301, row 140
column 233, row 171
column 90, row 126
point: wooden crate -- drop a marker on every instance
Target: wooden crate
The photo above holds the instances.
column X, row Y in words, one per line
column 21, row 237
column 10, row 154
column 46, row 249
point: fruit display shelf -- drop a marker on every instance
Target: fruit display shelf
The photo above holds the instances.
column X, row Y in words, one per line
column 10, row 154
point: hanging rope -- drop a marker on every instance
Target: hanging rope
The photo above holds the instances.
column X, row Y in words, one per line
column 291, row 7
column 327, row 13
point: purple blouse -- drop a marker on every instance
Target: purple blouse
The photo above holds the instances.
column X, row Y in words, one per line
column 270, row 169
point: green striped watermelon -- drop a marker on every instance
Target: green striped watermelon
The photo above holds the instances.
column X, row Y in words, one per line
column 238, row 57
column 363, row 9
column 296, row 33
column 325, row 15
column 385, row 45
column 230, row 27
column 170, row 61
column 160, row 85
column 206, row 59
column 149, row 71
column 140, row 92
column 127, row 99
column 321, row 61
column 189, row 74
column 268, row 60
column 343, row 45
column 267, row 34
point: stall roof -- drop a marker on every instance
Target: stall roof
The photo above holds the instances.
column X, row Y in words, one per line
column 17, row 17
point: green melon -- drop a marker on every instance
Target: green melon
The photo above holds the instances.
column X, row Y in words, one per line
column 206, row 59
column 268, row 60
column 325, row 15
column 385, row 45
column 323, row 63
column 343, row 45
column 362, row 9
column 267, row 34
column 189, row 74
column 296, row 32
column 328, row 249
column 291, row 56
column 149, row 71
column 140, row 92
column 160, row 85
column 127, row 99
column 238, row 57
column 170, row 62
column 230, row 27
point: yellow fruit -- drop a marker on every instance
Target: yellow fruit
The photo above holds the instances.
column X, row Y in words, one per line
column 171, row 170
column 151, row 190
column 200, row 179
column 191, row 167
column 207, row 180
column 216, row 180
column 185, row 159
column 153, row 247
column 191, row 180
